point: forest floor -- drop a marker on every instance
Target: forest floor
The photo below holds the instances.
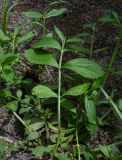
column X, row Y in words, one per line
column 79, row 12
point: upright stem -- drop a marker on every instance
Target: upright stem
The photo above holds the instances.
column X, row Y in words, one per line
column 114, row 55
column 59, row 90
column 112, row 60
column 44, row 26
column 78, row 146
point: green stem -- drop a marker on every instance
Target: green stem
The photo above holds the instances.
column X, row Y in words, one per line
column 19, row 118
column 112, row 103
column 114, row 55
column 44, row 26
column 78, row 146
column 59, row 90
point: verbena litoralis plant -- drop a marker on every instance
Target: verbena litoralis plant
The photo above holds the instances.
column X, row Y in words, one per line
column 83, row 67
column 41, row 18
column 10, row 55
column 81, row 121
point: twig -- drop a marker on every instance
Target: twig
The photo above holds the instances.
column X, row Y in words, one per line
column 7, row 140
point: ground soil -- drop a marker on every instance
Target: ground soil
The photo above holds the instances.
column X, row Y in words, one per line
column 79, row 12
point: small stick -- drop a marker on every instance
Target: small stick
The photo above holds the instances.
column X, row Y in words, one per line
column 7, row 140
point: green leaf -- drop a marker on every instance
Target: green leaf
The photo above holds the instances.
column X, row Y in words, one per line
column 60, row 34
column 3, row 37
column 19, row 93
column 12, row 105
column 33, row 14
column 99, row 50
column 68, row 105
column 43, row 92
column 62, row 156
column 36, row 124
column 41, row 150
column 25, row 38
column 9, row 59
column 1, row 51
column 17, row 31
column 77, row 90
column 90, row 110
column 55, row 12
column 47, row 42
column 40, row 57
column 5, row 93
column 73, row 39
column 8, row 74
column 33, row 135
column 79, row 49
column 105, row 150
column 85, row 68
column 110, row 17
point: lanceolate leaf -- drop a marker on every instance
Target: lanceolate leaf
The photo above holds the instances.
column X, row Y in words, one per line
column 77, row 90
column 9, row 59
column 55, row 12
column 25, row 38
column 43, row 92
column 90, row 110
column 40, row 57
column 41, row 150
column 47, row 42
column 85, row 67
column 68, row 105
column 60, row 34
column 32, row 14
column 3, row 37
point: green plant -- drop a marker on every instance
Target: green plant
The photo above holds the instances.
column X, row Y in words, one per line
column 41, row 18
column 64, row 134
column 81, row 66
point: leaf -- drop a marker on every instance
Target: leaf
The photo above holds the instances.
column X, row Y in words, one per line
column 36, row 124
column 9, row 59
column 79, row 49
column 1, row 51
column 12, row 105
column 25, row 38
column 33, row 14
column 33, row 135
column 43, row 92
column 19, row 93
column 99, row 50
column 5, row 93
column 3, row 37
column 110, row 17
column 8, row 74
column 16, row 31
column 77, row 90
column 55, row 12
column 105, row 150
column 40, row 57
column 60, row 34
column 47, row 42
column 41, row 150
column 85, row 68
column 68, row 104
column 90, row 110
column 62, row 156
column 73, row 39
